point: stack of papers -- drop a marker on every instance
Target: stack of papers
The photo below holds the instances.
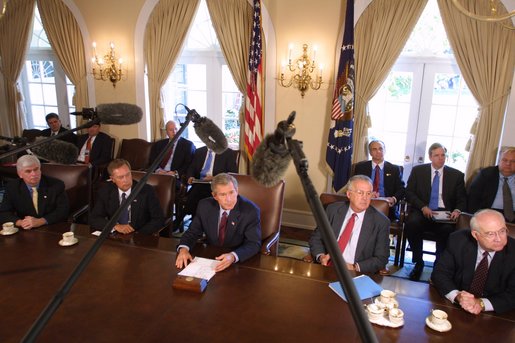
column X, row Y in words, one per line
column 365, row 286
column 201, row 268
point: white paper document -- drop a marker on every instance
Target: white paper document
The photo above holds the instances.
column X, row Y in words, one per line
column 441, row 215
column 202, row 268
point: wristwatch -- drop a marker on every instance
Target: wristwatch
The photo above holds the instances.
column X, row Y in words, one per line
column 482, row 304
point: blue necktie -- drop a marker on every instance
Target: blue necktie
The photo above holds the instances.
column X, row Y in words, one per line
column 433, row 201
column 124, row 216
column 207, row 165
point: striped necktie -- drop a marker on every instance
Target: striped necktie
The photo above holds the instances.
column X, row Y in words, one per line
column 35, row 198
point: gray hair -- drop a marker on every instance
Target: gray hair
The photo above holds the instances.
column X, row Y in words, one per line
column 375, row 140
column 474, row 225
column 223, row 179
column 357, row 178
column 26, row 161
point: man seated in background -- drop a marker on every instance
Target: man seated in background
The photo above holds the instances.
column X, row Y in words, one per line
column 494, row 187
column 55, row 128
column 386, row 177
column 33, row 200
column 144, row 214
column 178, row 159
column 477, row 269
column 227, row 220
column 433, row 187
column 362, row 231
column 204, row 166
column 95, row 147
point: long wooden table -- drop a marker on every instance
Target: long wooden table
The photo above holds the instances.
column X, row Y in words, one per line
column 125, row 295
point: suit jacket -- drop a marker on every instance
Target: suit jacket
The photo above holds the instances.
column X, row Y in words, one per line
column 70, row 137
column 418, row 191
column 52, row 201
column 182, row 155
column 100, row 151
column 393, row 184
column 455, row 270
column 373, row 247
column 146, row 215
column 483, row 189
column 224, row 163
column 243, row 232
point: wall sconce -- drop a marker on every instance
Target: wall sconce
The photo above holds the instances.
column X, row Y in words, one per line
column 109, row 69
column 302, row 70
column 4, row 8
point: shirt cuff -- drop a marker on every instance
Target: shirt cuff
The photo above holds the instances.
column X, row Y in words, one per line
column 451, row 296
column 183, row 246
column 488, row 304
column 236, row 259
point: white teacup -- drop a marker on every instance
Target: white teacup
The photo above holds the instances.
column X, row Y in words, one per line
column 68, row 237
column 395, row 315
column 387, row 296
column 438, row 317
column 374, row 312
column 8, row 227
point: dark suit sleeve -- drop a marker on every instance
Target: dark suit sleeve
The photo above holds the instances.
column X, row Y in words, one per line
column 251, row 226
column 399, row 189
column 414, row 184
column 196, row 228
column 377, row 249
column 483, row 189
column 316, row 243
column 189, row 149
column 104, row 148
column 460, row 192
column 448, row 272
column 153, row 213
column 56, row 206
column 101, row 212
column 9, row 209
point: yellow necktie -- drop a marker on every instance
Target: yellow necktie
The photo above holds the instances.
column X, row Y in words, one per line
column 35, row 198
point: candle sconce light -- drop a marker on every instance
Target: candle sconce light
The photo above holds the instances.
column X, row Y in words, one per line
column 303, row 72
column 107, row 68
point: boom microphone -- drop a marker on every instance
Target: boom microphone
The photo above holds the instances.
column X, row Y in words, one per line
column 272, row 156
column 15, row 140
column 208, row 132
column 113, row 114
column 57, row 151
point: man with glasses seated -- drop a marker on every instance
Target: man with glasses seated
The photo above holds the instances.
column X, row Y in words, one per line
column 362, row 231
column 477, row 269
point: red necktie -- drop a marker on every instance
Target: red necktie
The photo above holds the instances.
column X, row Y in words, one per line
column 221, row 228
column 376, row 178
column 347, row 232
column 478, row 282
column 88, row 150
column 164, row 162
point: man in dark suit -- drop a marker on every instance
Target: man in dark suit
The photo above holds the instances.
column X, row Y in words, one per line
column 485, row 251
column 180, row 157
column 33, row 200
column 366, row 248
column 494, row 187
column 228, row 220
column 433, row 187
column 204, row 166
column 388, row 183
column 55, row 128
column 95, row 147
column 144, row 213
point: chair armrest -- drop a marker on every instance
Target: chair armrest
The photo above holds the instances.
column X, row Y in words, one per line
column 269, row 245
column 81, row 211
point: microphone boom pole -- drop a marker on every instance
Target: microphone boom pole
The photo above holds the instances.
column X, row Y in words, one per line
column 54, row 304
column 356, row 307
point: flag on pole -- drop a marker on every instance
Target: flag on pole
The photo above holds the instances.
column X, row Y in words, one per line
column 339, row 143
column 254, row 97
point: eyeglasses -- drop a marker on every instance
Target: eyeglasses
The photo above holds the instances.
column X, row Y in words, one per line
column 492, row 234
column 362, row 193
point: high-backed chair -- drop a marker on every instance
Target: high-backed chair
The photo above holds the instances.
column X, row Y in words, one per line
column 77, row 183
column 31, row 134
column 379, row 204
column 164, row 185
column 270, row 202
column 136, row 151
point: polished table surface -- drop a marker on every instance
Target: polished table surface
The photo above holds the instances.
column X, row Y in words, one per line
column 125, row 294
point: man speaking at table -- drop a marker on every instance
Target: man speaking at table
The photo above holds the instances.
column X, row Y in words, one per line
column 477, row 269
column 228, row 220
column 362, row 231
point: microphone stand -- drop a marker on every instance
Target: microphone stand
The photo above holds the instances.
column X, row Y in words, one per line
column 54, row 304
column 356, row 307
column 49, row 139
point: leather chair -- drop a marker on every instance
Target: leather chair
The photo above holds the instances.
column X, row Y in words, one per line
column 379, row 204
column 270, row 202
column 77, row 184
column 164, row 185
column 136, row 151
column 31, row 134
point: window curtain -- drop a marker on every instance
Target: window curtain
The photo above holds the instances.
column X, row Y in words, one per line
column 380, row 34
column 485, row 53
column 15, row 29
column 232, row 21
column 65, row 37
column 164, row 36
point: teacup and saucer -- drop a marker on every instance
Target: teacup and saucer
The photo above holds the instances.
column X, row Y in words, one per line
column 8, row 229
column 386, row 300
column 68, row 239
column 438, row 321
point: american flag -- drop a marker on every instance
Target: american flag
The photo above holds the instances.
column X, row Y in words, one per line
column 339, row 143
column 255, row 82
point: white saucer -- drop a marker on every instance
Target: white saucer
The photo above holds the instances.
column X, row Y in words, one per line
column 444, row 327
column 66, row 244
column 3, row 232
